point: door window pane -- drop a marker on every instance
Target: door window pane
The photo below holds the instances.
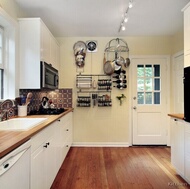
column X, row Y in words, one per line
column 157, row 98
column 140, row 70
column 148, row 98
column 156, row 84
column 156, row 70
column 140, row 84
column 148, row 70
column 140, row 97
column 148, row 84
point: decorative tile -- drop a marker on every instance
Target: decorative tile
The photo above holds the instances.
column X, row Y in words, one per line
column 59, row 97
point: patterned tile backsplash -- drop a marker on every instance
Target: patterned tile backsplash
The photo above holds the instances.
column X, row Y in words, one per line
column 61, row 98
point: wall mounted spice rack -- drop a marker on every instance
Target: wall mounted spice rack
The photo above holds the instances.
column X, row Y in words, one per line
column 83, row 101
column 89, row 88
column 94, row 98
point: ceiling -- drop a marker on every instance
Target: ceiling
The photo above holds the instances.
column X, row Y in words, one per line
column 102, row 18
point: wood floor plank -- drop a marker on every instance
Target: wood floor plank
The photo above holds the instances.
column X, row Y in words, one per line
column 118, row 168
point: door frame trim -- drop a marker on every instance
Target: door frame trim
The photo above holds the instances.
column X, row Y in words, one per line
column 130, row 121
column 176, row 55
column 180, row 53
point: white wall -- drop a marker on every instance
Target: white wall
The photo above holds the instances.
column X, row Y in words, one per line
column 107, row 125
column 11, row 7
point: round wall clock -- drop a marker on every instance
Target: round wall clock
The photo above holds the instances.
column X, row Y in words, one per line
column 91, row 46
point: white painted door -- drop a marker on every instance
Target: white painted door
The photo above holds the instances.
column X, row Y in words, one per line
column 149, row 101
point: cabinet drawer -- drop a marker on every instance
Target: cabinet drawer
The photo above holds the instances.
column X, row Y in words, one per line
column 66, row 147
column 66, row 119
column 66, row 131
column 66, row 127
column 41, row 137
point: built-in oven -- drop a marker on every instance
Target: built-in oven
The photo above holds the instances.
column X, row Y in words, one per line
column 49, row 76
column 186, row 82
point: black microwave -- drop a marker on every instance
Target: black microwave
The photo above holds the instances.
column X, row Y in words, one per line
column 49, row 76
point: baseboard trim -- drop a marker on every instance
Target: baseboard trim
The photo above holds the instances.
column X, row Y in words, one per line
column 100, row 144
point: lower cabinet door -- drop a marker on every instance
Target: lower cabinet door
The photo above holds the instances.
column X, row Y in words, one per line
column 43, row 166
column 38, row 169
column 187, row 152
column 187, row 168
column 177, row 145
column 50, row 163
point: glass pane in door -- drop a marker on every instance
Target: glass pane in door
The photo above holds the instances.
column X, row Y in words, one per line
column 148, row 98
column 148, row 70
column 156, row 70
column 140, row 97
column 157, row 98
column 140, row 70
column 148, row 84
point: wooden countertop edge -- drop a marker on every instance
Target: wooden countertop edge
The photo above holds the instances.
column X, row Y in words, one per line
column 178, row 116
column 19, row 137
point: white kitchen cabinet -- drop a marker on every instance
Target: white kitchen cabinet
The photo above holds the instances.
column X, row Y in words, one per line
column 65, row 136
column 43, row 160
column 187, row 151
column 46, row 44
column 177, row 145
column 187, row 35
column 36, row 44
column 180, row 151
column 54, row 51
column 49, row 148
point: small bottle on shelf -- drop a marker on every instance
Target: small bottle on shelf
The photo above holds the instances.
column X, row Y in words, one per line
column 120, row 81
column 120, row 71
column 121, row 77
column 121, row 86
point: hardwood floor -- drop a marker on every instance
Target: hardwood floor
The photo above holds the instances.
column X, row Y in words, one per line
column 118, row 168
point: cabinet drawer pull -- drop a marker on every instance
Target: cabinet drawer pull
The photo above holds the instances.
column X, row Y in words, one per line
column 46, row 145
column 67, row 129
column 58, row 120
column 175, row 120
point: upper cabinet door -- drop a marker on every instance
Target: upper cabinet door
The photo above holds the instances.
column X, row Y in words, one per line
column 29, row 49
column 49, row 47
column 187, row 36
column 46, row 43
column 36, row 44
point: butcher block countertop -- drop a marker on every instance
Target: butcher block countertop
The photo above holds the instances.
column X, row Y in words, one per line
column 177, row 116
column 9, row 140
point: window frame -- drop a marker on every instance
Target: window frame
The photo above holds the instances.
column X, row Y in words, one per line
column 10, row 54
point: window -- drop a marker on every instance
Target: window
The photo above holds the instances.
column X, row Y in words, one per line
column 148, row 84
column 1, row 61
column 9, row 68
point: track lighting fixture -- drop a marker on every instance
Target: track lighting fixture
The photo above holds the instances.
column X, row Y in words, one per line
column 130, row 4
column 122, row 27
column 126, row 17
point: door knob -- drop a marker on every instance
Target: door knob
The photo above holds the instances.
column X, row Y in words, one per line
column 134, row 107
